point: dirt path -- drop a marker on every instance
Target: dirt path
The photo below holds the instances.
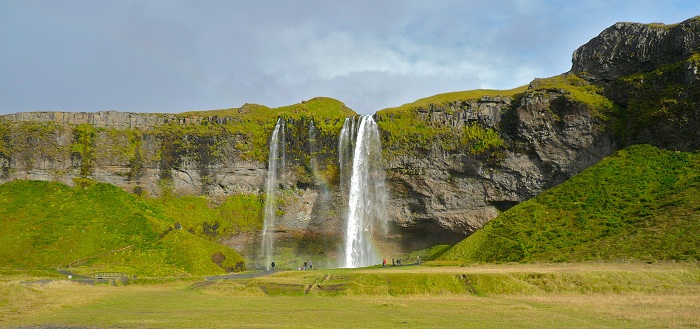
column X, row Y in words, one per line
column 234, row 276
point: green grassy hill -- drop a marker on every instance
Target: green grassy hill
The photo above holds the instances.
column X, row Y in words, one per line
column 237, row 213
column 640, row 203
column 99, row 227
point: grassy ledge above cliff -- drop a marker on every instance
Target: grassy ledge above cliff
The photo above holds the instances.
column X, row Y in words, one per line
column 640, row 203
column 256, row 122
column 576, row 89
column 453, row 97
column 408, row 129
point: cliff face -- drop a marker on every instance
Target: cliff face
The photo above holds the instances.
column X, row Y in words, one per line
column 126, row 150
column 652, row 72
column 633, row 83
column 442, row 196
column 628, row 48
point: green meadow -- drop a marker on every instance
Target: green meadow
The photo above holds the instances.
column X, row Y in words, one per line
column 572, row 295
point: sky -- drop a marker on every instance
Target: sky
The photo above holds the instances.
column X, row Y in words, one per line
column 176, row 56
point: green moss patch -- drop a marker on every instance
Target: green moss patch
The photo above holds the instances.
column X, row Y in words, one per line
column 49, row 225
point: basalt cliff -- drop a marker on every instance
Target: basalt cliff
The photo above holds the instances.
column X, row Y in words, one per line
column 452, row 161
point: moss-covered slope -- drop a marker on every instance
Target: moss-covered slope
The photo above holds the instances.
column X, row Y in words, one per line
column 99, row 227
column 640, row 203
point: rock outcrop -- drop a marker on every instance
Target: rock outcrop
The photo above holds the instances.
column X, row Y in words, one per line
column 628, row 48
column 651, row 71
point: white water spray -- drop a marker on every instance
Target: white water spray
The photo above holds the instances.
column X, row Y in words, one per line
column 366, row 218
column 275, row 168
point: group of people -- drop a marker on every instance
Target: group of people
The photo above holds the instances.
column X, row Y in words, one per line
column 397, row 262
column 394, row 262
column 310, row 266
column 307, row 266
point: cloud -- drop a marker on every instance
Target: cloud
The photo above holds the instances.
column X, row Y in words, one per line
column 175, row 56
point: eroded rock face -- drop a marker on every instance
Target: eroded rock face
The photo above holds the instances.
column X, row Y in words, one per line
column 451, row 194
column 651, row 72
column 627, row 48
column 102, row 119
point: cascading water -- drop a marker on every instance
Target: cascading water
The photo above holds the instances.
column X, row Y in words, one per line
column 346, row 148
column 275, row 168
column 367, row 195
column 313, row 148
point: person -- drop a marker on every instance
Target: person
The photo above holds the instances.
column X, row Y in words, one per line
column 393, row 263
column 311, row 265
column 272, row 265
column 384, row 262
column 305, row 266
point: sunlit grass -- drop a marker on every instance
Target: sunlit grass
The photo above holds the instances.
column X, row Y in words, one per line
column 445, row 98
column 669, row 301
column 99, row 227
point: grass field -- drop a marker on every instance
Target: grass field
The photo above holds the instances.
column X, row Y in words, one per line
column 585, row 295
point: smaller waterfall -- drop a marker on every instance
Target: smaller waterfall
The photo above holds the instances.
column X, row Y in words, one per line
column 275, row 169
column 313, row 148
column 366, row 218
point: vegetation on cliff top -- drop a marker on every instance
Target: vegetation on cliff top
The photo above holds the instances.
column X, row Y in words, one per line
column 408, row 129
column 578, row 90
column 440, row 100
column 413, row 128
column 640, row 203
column 98, row 227
column 318, row 107
column 254, row 123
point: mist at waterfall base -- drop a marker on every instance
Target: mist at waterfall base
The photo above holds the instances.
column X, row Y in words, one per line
column 360, row 200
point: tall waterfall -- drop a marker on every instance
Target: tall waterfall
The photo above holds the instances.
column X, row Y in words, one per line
column 275, row 169
column 346, row 148
column 366, row 218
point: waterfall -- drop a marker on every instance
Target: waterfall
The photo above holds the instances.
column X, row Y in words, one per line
column 313, row 148
column 346, row 148
column 367, row 196
column 275, row 168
